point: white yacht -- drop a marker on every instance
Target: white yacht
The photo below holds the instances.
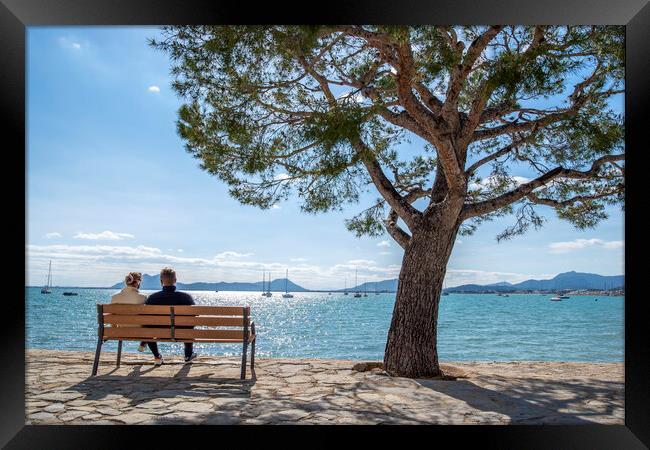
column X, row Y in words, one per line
column 356, row 286
column 266, row 293
column 46, row 288
column 286, row 284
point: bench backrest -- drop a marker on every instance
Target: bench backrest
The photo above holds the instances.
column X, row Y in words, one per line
column 218, row 323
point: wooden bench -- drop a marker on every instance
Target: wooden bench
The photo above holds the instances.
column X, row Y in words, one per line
column 172, row 324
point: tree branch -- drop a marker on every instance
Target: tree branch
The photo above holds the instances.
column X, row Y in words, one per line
column 460, row 72
column 561, row 203
column 488, row 206
column 507, row 149
column 319, row 78
column 396, row 232
column 398, row 203
column 578, row 99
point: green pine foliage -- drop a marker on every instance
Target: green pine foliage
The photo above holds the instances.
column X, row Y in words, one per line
column 276, row 111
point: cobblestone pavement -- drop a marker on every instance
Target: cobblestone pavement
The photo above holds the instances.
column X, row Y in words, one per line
column 60, row 390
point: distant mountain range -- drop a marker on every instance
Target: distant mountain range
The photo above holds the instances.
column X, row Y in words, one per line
column 152, row 282
column 568, row 280
column 380, row 286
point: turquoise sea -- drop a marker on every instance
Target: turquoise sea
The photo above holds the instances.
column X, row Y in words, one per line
column 318, row 325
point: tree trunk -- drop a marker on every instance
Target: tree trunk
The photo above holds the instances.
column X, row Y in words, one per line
column 411, row 349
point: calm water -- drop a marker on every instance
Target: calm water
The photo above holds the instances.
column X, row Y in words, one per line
column 471, row 327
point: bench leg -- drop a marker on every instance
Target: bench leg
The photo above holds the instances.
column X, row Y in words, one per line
column 97, row 352
column 253, row 356
column 243, row 362
column 119, row 352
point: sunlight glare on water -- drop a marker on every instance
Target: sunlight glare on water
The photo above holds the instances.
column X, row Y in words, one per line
column 318, row 325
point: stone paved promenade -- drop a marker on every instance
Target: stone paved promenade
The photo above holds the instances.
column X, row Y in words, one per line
column 308, row 391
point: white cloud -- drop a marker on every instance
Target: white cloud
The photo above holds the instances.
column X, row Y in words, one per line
column 579, row 244
column 282, row 176
column 361, row 262
column 385, row 253
column 231, row 254
column 69, row 43
column 180, row 250
column 154, row 88
column 53, row 235
column 104, row 235
column 491, row 181
column 275, row 207
column 104, row 265
column 298, row 259
column 383, row 243
column 352, row 95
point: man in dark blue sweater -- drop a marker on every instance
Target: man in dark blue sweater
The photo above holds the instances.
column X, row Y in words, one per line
column 170, row 296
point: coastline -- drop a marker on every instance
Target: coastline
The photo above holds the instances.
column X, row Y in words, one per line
column 59, row 390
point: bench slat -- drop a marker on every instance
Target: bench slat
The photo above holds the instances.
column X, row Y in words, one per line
column 117, row 308
column 165, row 333
column 154, row 333
column 183, row 310
column 196, row 341
column 179, row 310
column 210, row 334
column 118, row 319
column 123, row 319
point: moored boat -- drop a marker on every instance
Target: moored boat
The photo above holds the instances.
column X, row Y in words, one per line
column 356, row 280
column 286, row 285
column 46, row 288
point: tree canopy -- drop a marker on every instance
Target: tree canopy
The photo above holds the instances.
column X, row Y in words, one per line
column 320, row 110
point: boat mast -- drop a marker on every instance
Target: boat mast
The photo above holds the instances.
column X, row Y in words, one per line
column 286, row 282
column 49, row 275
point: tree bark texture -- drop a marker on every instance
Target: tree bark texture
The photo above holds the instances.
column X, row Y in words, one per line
column 411, row 348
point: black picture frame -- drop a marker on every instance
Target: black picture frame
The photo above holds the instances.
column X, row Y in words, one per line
column 16, row 15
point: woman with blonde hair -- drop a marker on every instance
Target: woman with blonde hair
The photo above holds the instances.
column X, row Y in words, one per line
column 130, row 295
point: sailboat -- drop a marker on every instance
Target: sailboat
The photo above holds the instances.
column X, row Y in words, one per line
column 444, row 288
column 286, row 284
column 356, row 294
column 266, row 293
column 375, row 286
column 46, row 289
column 268, row 289
column 345, row 289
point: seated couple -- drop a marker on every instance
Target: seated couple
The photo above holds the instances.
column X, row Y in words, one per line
column 167, row 296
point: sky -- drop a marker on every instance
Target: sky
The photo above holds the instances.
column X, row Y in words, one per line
column 111, row 189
